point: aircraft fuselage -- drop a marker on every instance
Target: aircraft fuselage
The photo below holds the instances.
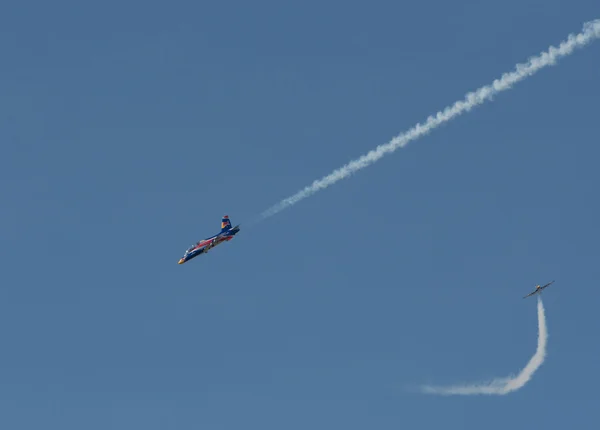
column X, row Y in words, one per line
column 203, row 246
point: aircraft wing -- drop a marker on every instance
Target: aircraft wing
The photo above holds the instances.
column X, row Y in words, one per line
column 531, row 294
column 538, row 290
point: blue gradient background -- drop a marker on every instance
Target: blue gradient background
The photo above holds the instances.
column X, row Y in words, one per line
column 129, row 128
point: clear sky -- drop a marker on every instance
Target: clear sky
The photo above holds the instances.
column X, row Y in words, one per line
column 127, row 129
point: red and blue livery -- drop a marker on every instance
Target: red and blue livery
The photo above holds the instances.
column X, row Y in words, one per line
column 227, row 233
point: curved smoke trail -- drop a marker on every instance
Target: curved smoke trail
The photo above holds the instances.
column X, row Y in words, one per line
column 591, row 31
column 502, row 386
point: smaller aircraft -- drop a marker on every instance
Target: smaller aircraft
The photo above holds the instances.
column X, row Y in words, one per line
column 537, row 290
column 202, row 247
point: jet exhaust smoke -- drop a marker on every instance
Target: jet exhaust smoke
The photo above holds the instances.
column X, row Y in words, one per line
column 591, row 31
column 502, row 386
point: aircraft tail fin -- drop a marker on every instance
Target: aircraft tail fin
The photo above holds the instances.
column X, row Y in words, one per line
column 225, row 224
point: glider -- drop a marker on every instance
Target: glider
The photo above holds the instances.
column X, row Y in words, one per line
column 537, row 290
column 202, row 247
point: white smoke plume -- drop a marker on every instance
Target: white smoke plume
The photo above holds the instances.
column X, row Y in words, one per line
column 591, row 31
column 502, row 386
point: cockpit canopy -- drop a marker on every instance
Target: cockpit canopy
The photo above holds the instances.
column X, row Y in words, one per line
column 191, row 248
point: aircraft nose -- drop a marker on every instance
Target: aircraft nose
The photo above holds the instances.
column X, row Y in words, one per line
column 181, row 261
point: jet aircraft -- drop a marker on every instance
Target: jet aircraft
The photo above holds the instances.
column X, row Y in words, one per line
column 202, row 247
column 537, row 290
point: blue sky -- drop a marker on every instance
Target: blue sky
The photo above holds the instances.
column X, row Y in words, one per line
column 129, row 128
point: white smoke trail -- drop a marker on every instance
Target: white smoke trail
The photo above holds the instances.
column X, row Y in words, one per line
column 591, row 31
column 502, row 386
